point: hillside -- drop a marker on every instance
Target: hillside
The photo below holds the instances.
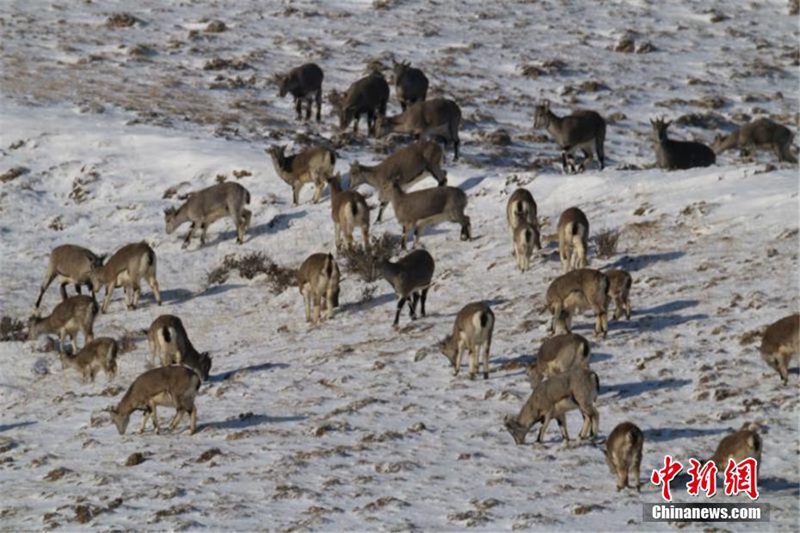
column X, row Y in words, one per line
column 354, row 424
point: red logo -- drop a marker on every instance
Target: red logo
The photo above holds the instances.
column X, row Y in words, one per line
column 742, row 477
column 739, row 477
column 704, row 479
column 665, row 475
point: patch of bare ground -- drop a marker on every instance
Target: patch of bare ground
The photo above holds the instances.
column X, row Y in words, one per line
column 57, row 474
column 175, row 510
column 208, row 455
column 12, row 174
column 354, row 407
column 475, row 517
column 293, row 492
column 121, row 20
column 383, row 502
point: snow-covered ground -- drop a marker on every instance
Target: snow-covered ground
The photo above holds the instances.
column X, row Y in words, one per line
column 355, row 425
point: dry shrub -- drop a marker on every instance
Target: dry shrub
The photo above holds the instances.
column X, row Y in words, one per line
column 707, row 120
column 717, row 16
column 367, row 293
column 553, row 66
column 127, row 343
column 382, row 4
column 365, row 263
column 639, row 230
column 589, row 86
column 219, row 275
column 534, row 137
column 121, row 20
column 11, row 329
column 279, row 278
column 531, row 71
column 607, row 243
column 751, row 336
column 627, row 43
column 216, row 26
column 12, row 174
column 499, row 137
column 142, row 50
column 57, row 224
column 253, row 264
column 618, row 116
column 646, row 48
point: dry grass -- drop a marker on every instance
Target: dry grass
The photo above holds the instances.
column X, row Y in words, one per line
column 11, row 329
column 365, row 263
column 249, row 266
column 647, row 228
column 606, row 242
column 219, row 63
column 367, row 293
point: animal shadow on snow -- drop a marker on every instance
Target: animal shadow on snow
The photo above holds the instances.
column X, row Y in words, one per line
column 778, row 484
column 656, row 319
column 510, row 366
column 668, row 321
column 440, row 228
column 219, row 289
column 670, row 307
column 639, row 262
column 668, row 434
column 597, row 357
column 176, row 296
column 248, row 420
column 278, row 223
column 635, row 388
column 223, row 376
column 7, row 427
column 375, row 301
column 471, row 183
column 179, row 296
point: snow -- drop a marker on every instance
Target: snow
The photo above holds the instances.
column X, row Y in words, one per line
column 355, row 425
